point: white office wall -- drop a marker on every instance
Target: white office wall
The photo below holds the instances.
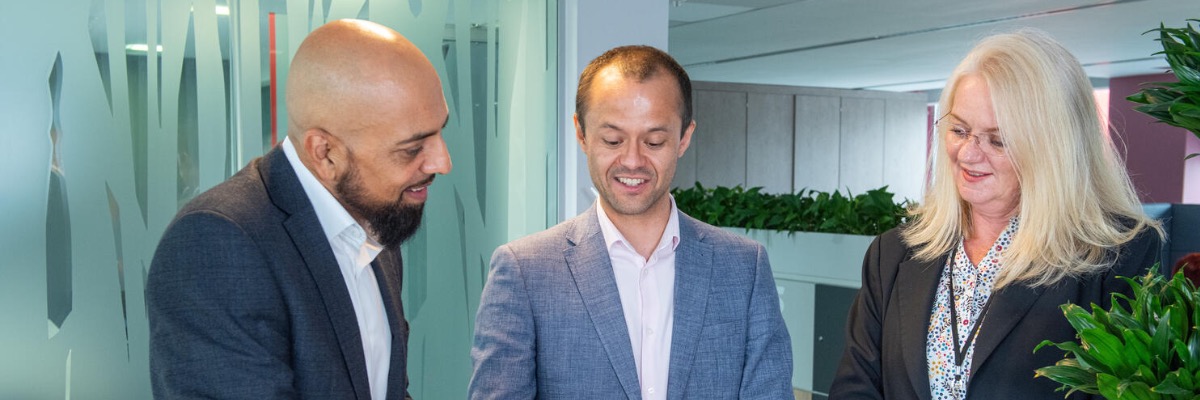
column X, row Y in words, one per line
column 588, row 28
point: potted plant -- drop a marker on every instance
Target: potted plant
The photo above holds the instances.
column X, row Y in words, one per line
column 1145, row 347
column 1148, row 346
column 1176, row 103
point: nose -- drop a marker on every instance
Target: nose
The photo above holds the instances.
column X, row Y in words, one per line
column 631, row 155
column 971, row 150
column 438, row 160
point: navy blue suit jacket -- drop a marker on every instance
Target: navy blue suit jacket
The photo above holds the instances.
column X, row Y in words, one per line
column 245, row 298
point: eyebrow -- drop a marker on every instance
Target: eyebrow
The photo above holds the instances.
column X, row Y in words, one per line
column 609, row 125
column 960, row 120
column 421, row 136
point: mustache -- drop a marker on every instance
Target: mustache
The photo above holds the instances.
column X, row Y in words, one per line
column 425, row 182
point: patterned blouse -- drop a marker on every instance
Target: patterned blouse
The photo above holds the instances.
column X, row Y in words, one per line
column 972, row 287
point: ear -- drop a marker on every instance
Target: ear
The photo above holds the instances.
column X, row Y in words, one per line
column 318, row 146
column 686, row 140
column 579, row 136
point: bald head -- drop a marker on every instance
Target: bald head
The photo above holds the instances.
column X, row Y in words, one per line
column 365, row 116
column 348, row 73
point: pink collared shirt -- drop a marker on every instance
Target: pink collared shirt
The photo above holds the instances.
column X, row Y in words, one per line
column 647, row 290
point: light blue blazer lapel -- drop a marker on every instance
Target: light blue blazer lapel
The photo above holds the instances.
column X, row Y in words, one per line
column 693, row 278
column 591, row 269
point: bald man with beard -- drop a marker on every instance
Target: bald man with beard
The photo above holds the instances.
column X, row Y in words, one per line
column 284, row 281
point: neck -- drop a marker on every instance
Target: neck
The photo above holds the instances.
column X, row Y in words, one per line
column 642, row 231
column 985, row 229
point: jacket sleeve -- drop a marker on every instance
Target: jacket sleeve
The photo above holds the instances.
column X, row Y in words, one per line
column 504, row 351
column 768, row 370
column 213, row 308
column 858, row 375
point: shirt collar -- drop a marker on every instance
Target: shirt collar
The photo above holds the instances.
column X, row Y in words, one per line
column 335, row 220
column 612, row 236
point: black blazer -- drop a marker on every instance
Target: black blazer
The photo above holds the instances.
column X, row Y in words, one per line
column 245, row 298
column 889, row 321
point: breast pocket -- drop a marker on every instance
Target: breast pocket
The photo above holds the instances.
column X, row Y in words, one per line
column 722, row 337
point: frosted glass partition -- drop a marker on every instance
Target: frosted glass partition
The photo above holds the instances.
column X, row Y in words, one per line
column 117, row 112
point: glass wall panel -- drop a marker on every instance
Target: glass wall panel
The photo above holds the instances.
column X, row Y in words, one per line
column 120, row 111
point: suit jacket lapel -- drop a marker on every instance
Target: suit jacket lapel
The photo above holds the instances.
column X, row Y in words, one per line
column 590, row 267
column 305, row 230
column 389, row 274
column 915, row 289
column 1009, row 305
column 693, row 277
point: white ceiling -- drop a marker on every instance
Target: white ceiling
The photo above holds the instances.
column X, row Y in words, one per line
column 903, row 45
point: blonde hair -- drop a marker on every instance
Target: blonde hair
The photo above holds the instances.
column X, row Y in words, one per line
column 1077, row 204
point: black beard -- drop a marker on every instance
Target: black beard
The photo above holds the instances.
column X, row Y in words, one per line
column 392, row 223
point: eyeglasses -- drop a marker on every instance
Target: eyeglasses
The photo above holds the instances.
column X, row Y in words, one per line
column 958, row 135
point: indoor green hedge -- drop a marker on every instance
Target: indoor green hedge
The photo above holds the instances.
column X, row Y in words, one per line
column 870, row 213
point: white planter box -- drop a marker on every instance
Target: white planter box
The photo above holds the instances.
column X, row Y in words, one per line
column 800, row 261
column 824, row 258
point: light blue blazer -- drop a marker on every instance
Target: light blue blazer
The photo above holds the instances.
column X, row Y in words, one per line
column 550, row 323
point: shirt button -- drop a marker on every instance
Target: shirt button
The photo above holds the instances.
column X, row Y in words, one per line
column 650, row 390
column 650, row 331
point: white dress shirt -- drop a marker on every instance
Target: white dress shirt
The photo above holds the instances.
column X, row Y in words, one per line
column 647, row 290
column 354, row 250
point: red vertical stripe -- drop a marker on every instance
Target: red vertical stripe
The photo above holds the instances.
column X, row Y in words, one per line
column 271, row 56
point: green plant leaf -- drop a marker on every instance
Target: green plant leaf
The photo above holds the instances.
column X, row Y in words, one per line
column 1107, row 385
column 1136, row 352
column 1135, row 390
column 1170, row 385
column 1083, row 358
column 1174, row 103
column 1145, row 374
column 1069, row 375
column 1143, row 347
column 1107, row 349
column 1079, row 318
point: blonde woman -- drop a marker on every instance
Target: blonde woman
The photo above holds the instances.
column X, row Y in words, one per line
column 1029, row 208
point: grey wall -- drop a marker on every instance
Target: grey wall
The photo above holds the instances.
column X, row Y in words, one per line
column 789, row 138
column 588, row 29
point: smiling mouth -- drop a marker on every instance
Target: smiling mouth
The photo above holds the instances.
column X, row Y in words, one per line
column 420, row 187
column 631, row 181
column 974, row 175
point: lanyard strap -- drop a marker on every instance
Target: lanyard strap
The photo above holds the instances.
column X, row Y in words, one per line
column 960, row 353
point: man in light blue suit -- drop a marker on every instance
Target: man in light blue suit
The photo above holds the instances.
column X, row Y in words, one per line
column 631, row 299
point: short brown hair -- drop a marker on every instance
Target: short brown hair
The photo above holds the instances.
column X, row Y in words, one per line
column 639, row 63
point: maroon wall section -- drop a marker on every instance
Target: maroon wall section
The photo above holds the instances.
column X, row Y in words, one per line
column 1154, row 151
